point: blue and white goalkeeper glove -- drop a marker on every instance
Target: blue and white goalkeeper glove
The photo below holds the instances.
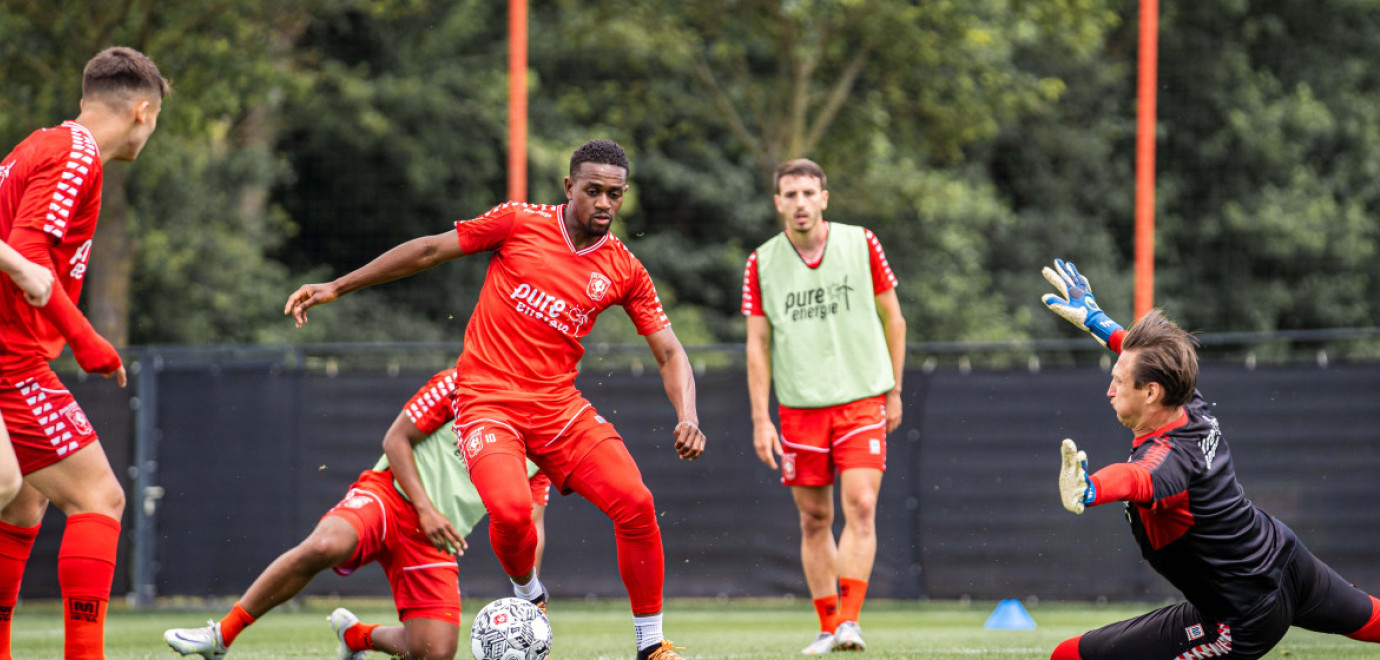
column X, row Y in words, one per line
column 1076, row 489
column 1075, row 301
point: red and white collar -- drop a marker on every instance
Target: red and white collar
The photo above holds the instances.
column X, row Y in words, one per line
column 560, row 221
column 72, row 124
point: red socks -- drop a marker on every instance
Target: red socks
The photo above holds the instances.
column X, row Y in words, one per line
column 15, row 544
column 1371, row 631
column 827, row 607
column 86, row 566
column 851, row 595
column 360, row 637
column 233, row 623
column 1067, row 650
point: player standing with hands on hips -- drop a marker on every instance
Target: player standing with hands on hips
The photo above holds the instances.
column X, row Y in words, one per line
column 824, row 326
column 554, row 269
column 50, row 199
column 1246, row 577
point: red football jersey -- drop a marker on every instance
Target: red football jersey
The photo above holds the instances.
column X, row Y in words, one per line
column 883, row 279
column 51, row 183
column 541, row 296
column 430, row 408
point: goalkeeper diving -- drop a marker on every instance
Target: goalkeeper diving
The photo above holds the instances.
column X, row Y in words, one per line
column 1246, row 576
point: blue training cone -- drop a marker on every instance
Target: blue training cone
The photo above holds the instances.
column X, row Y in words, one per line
column 1009, row 615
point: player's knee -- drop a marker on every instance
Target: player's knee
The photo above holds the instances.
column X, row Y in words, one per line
column 431, row 648
column 816, row 519
column 10, row 484
column 319, row 552
column 634, row 509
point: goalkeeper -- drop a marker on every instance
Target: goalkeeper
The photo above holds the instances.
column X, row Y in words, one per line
column 1246, row 577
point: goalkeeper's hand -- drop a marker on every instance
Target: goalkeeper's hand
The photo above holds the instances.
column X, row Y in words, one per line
column 1076, row 490
column 1075, row 301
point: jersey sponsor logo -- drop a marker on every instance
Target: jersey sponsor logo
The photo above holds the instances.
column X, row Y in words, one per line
column 819, row 303
column 541, row 305
column 598, row 286
column 1194, row 632
column 788, row 466
column 78, row 260
column 77, row 418
column 1209, row 444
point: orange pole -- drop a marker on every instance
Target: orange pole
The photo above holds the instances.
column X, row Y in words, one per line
column 517, row 100
column 1145, row 157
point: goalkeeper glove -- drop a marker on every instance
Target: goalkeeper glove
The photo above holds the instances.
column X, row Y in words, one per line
column 1075, row 301
column 1076, row 490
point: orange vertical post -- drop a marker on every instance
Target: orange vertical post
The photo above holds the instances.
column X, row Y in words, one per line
column 517, row 100
column 1145, row 156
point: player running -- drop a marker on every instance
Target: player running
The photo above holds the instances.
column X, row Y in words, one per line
column 1245, row 575
column 50, row 199
column 410, row 513
column 554, row 269
column 835, row 357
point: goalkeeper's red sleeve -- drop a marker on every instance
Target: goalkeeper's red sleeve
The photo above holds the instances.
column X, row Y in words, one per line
column 1123, row 482
column 1114, row 342
column 94, row 354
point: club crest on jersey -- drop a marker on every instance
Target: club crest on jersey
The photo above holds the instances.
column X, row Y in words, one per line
column 77, row 418
column 355, row 502
column 1194, row 632
column 598, row 286
column 474, row 442
column 788, row 466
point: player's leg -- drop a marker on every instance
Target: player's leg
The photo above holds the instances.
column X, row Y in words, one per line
column 19, row 525
column 609, row 479
column 540, row 486
column 84, row 487
column 418, row 638
column 807, row 467
column 500, row 477
column 1327, row 603
column 10, row 478
column 857, row 550
column 1170, row 632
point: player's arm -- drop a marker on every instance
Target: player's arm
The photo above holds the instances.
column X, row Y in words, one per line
column 406, row 259
column 679, row 380
column 1118, row 482
column 34, row 280
column 764, row 437
column 1075, row 303
column 397, row 445
column 894, row 326
column 93, row 353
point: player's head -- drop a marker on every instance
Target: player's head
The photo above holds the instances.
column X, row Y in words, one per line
column 125, row 84
column 1157, row 370
column 596, row 185
column 800, row 194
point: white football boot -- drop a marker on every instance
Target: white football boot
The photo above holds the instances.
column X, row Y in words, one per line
column 824, row 643
column 848, row 637
column 205, row 641
column 341, row 620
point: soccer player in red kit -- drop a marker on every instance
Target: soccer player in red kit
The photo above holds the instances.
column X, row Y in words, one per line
column 1246, row 577
column 37, row 284
column 553, row 270
column 50, row 198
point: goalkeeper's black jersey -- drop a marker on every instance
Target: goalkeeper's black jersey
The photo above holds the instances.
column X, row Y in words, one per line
column 1199, row 530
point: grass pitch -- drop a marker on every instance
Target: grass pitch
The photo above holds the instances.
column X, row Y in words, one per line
column 717, row 630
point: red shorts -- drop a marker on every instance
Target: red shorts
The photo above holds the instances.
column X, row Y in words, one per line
column 816, row 441
column 541, row 488
column 45, row 423
column 425, row 580
column 556, row 433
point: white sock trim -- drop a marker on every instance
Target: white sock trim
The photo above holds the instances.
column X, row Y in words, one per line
column 648, row 630
column 527, row 591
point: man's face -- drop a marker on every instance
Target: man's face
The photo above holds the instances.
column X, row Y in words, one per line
column 800, row 200
column 596, row 194
column 1129, row 402
column 145, row 122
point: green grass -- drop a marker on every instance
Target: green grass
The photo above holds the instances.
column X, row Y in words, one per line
column 721, row 630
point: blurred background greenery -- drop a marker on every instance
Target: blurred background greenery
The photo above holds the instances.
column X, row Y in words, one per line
column 978, row 138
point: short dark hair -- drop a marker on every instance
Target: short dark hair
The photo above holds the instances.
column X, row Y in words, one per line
column 799, row 167
column 599, row 152
column 122, row 69
column 1165, row 354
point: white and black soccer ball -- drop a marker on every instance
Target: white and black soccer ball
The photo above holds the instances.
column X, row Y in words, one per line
column 510, row 629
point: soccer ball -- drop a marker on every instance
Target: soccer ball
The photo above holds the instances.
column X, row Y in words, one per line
column 510, row 629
